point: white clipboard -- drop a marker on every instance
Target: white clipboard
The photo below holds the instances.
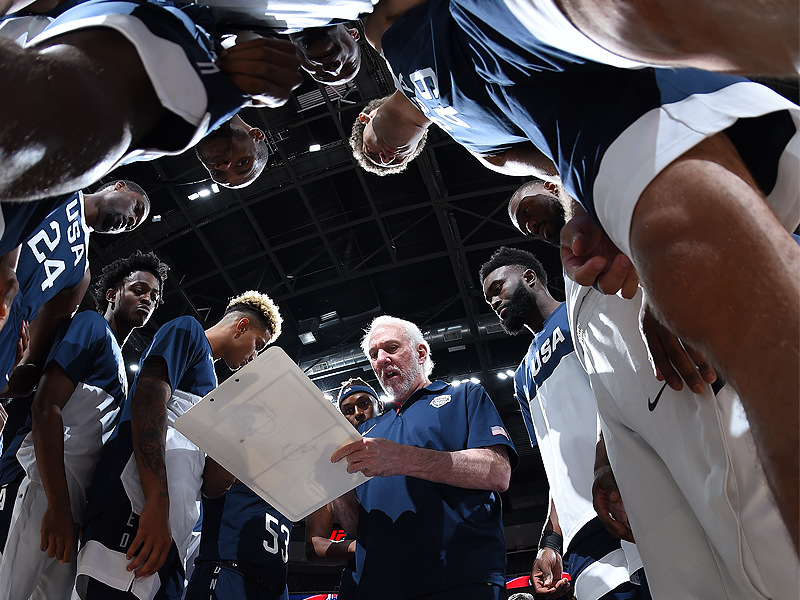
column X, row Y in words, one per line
column 271, row 427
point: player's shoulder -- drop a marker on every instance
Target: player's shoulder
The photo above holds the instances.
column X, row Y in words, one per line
column 89, row 320
column 183, row 323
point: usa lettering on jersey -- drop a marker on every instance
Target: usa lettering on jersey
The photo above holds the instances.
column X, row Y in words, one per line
column 46, row 240
column 424, row 89
column 546, row 351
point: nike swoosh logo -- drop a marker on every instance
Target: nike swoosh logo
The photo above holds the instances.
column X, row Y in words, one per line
column 652, row 404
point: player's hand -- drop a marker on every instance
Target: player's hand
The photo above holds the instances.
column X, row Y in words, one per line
column 9, row 287
column 546, row 575
column 22, row 381
column 591, row 258
column 267, row 69
column 153, row 540
column 23, row 341
column 608, row 503
column 672, row 360
column 58, row 533
column 375, row 457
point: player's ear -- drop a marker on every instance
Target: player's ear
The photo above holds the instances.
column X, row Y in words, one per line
column 242, row 325
column 530, row 277
column 422, row 350
column 363, row 118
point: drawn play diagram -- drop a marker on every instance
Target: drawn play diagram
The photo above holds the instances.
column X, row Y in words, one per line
column 271, row 427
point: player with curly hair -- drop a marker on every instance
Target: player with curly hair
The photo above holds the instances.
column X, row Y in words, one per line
column 76, row 406
column 144, row 497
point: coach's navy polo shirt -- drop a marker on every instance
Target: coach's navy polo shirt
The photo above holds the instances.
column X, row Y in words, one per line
column 417, row 537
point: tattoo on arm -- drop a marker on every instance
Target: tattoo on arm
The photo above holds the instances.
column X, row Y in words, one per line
column 149, row 422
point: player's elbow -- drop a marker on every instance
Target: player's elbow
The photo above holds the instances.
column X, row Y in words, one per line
column 500, row 476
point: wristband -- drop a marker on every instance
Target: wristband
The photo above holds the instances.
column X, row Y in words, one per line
column 551, row 539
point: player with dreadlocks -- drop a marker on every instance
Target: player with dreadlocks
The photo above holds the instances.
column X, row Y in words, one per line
column 77, row 404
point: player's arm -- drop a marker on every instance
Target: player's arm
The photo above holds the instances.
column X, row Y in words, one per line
column 50, row 317
column 320, row 548
column 474, row 468
column 88, row 85
column 519, row 161
column 547, row 572
column 345, row 507
column 216, row 479
column 9, row 286
column 149, row 432
column 57, row 527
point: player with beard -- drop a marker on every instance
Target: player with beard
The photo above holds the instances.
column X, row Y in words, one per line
column 561, row 417
column 431, row 507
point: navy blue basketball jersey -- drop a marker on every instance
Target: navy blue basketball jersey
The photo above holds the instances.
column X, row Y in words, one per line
column 183, row 345
column 52, row 258
column 89, row 353
column 240, row 526
column 18, row 220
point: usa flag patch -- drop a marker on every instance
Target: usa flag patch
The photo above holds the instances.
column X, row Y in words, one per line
column 497, row 430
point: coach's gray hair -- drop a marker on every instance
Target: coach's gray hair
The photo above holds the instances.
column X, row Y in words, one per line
column 413, row 334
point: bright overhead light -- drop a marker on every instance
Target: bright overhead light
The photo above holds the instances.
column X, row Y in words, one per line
column 133, row 367
column 215, row 188
column 502, row 376
column 455, row 383
column 465, row 381
column 475, row 380
column 307, row 337
column 204, row 193
column 194, row 196
column 509, row 372
column 314, row 148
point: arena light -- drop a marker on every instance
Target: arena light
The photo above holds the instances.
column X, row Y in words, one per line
column 133, row 367
column 502, row 376
column 194, row 196
column 307, row 330
column 215, row 188
column 314, row 148
column 204, row 193
column 509, row 372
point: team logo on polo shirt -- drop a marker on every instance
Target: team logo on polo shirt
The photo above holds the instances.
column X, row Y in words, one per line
column 440, row 400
